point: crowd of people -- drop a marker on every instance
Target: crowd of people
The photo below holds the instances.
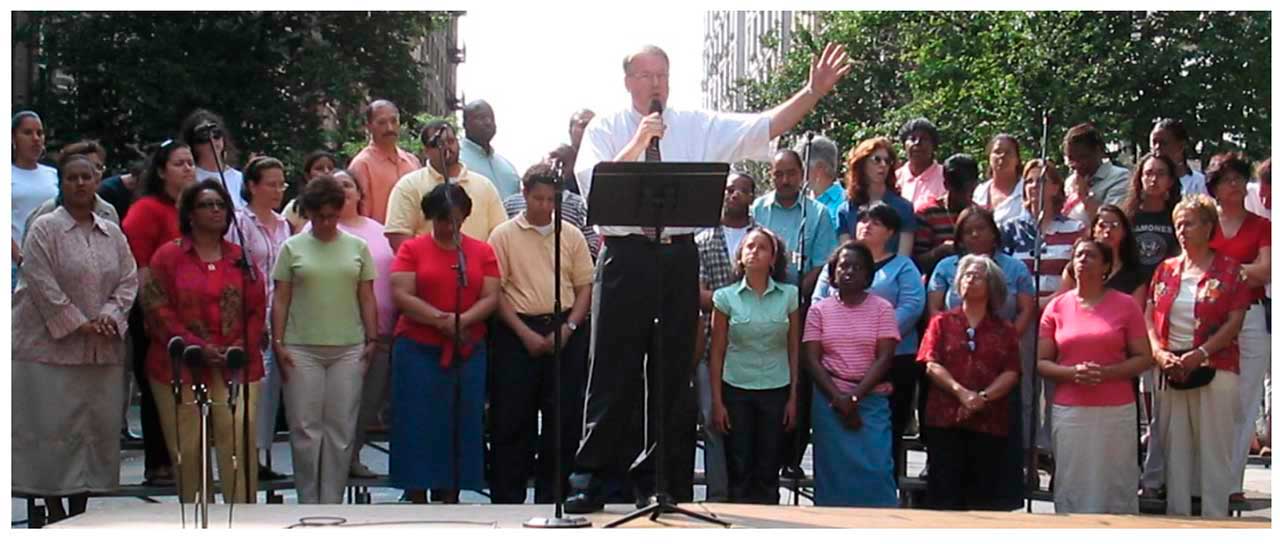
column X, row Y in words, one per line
column 849, row 310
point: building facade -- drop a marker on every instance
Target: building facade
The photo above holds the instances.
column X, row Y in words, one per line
column 745, row 45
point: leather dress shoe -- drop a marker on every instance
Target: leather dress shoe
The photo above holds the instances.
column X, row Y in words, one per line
column 584, row 497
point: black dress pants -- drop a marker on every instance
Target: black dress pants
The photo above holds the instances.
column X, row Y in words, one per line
column 966, row 470
column 155, row 452
column 624, row 305
column 754, row 442
column 521, row 387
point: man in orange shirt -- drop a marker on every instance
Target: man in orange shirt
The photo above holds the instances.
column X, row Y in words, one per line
column 382, row 163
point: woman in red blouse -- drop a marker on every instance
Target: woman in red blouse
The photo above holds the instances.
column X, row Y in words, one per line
column 971, row 356
column 1195, row 309
column 197, row 292
column 425, row 367
column 1246, row 238
column 152, row 221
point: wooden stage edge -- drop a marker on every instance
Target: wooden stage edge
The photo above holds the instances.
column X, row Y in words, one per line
column 486, row 516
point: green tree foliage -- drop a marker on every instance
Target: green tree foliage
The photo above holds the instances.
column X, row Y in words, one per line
column 976, row 74
column 285, row 82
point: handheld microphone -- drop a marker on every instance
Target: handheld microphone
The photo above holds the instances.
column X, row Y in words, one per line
column 655, row 107
column 237, row 360
column 176, row 347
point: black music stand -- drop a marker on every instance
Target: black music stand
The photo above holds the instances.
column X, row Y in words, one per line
column 658, row 195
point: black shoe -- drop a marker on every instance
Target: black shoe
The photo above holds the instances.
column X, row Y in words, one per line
column 793, row 472
column 582, row 503
column 267, row 475
column 584, row 495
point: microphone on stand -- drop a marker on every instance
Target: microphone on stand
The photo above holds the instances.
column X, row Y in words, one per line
column 176, row 348
column 237, row 360
column 193, row 357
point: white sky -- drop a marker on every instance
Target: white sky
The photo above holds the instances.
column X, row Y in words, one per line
column 537, row 67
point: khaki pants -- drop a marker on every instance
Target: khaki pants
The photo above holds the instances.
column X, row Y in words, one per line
column 225, row 429
column 1199, row 427
column 322, row 401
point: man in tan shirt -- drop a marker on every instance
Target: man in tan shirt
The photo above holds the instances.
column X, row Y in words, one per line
column 404, row 207
column 522, row 375
column 380, row 164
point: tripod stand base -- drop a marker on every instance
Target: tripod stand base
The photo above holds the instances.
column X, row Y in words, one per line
column 664, row 505
column 557, row 523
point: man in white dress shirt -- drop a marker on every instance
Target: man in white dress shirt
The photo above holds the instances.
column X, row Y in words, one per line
column 623, row 302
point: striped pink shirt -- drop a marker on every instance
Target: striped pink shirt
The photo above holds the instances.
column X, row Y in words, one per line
column 848, row 336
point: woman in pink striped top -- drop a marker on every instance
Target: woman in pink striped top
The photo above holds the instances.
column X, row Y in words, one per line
column 849, row 339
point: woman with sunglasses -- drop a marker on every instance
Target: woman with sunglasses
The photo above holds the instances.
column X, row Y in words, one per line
column 1093, row 341
column 196, row 291
column 870, row 179
column 213, row 146
column 971, row 357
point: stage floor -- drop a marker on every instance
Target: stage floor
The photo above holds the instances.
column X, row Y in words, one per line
column 485, row 516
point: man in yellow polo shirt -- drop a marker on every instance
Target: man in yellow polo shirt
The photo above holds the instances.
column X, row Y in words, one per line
column 404, row 207
column 522, row 370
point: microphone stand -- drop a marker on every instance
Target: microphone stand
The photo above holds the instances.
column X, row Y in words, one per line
column 194, row 360
column 559, row 521
column 804, row 211
column 1032, row 471
column 663, row 502
column 460, row 282
column 247, row 277
column 176, row 347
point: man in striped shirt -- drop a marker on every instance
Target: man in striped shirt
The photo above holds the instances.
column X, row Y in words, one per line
column 935, row 237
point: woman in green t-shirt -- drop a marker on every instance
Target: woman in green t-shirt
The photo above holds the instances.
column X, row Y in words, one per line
column 323, row 320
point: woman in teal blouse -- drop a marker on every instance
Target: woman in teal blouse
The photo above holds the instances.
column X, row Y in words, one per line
column 755, row 343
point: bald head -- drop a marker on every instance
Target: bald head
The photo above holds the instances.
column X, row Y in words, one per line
column 382, row 120
column 478, row 121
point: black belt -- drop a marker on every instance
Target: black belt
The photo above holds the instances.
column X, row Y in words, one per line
column 542, row 321
column 665, row 239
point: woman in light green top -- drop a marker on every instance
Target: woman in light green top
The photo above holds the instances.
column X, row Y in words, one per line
column 324, row 324
column 755, row 344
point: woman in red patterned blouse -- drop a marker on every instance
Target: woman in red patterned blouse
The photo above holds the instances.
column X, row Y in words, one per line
column 197, row 292
column 971, row 356
column 1195, row 309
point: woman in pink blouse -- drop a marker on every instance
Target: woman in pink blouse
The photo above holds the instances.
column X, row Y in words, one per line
column 264, row 231
column 1092, row 344
column 69, row 321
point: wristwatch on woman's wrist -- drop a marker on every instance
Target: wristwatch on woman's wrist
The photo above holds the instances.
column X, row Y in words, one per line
column 1204, row 352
